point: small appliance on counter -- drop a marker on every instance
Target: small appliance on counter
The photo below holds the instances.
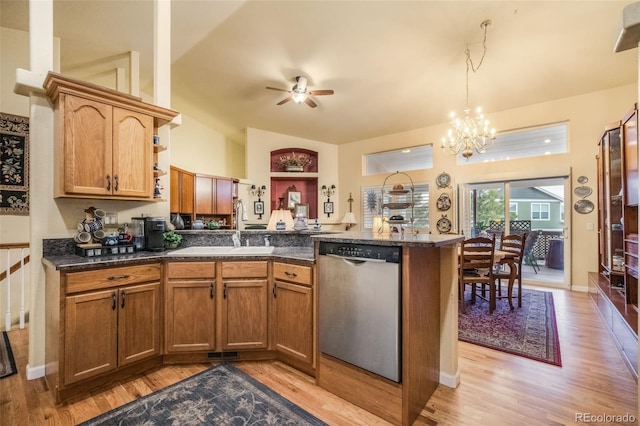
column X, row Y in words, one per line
column 147, row 232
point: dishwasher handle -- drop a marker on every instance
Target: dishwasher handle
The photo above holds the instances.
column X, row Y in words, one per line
column 355, row 260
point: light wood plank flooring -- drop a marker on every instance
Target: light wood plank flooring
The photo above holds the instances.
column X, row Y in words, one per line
column 496, row 388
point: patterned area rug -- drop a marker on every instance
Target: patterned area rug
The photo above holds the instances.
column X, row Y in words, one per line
column 221, row 395
column 14, row 164
column 7, row 363
column 530, row 331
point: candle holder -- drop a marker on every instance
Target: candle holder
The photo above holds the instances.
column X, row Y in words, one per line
column 328, row 191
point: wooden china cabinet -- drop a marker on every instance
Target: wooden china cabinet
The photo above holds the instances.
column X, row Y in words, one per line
column 614, row 289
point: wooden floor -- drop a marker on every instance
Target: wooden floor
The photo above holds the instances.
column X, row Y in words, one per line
column 496, row 388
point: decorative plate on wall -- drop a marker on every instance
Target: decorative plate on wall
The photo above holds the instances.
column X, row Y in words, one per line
column 443, row 203
column 583, row 206
column 444, row 225
column 443, row 180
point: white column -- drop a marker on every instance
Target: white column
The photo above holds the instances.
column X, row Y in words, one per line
column 40, row 174
column 162, row 53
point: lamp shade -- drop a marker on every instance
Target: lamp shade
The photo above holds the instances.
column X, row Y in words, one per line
column 349, row 218
column 278, row 215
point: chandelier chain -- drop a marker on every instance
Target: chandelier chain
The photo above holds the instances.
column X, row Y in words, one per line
column 469, row 60
column 467, row 133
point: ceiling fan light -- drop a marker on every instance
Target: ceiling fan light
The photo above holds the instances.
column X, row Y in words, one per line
column 299, row 97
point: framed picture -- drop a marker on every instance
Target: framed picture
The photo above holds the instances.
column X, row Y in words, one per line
column 302, row 209
column 293, row 198
column 258, row 207
column 328, row 207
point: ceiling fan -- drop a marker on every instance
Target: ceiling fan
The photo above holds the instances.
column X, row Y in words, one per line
column 300, row 93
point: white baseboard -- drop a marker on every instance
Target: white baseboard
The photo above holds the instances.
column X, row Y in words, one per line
column 449, row 380
column 35, row 372
column 581, row 288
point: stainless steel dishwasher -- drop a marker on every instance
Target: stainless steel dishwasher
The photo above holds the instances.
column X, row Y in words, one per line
column 360, row 306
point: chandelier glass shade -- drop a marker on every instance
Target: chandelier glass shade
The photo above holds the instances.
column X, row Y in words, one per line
column 469, row 134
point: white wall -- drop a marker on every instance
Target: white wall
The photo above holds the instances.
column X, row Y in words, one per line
column 260, row 143
column 198, row 147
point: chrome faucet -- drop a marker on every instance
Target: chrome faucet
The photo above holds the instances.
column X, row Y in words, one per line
column 267, row 243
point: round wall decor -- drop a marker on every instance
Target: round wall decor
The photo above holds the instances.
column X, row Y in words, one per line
column 443, row 180
column 443, row 203
column 443, row 225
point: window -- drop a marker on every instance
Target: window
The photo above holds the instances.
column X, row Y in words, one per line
column 372, row 201
column 524, row 143
column 513, row 210
column 401, row 160
column 540, row 211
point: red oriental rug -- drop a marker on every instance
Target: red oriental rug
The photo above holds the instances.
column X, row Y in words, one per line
column 530, row 331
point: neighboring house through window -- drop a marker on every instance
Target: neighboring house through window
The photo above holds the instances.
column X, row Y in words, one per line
column 540, row 211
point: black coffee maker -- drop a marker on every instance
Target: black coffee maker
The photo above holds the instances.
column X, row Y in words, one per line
column 147, row 232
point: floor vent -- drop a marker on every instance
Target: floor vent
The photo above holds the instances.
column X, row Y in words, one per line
column 222, row 355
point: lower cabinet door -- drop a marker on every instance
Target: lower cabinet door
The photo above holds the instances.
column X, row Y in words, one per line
column 90, row 335
column 244, row 314
column 138, row 323
column 190, row 316
column 293, row 310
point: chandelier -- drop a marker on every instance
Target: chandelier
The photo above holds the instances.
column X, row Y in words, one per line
column 469, row 134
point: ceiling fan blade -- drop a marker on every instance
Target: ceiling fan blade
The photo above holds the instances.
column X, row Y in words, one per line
column 279, row 90
column 284, row 101
column 320, row 92
column 309, row 102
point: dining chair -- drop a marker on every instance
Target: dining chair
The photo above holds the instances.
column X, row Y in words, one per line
column 514, row 243
column 475, row 267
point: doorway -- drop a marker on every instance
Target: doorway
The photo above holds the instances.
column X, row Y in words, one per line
column 534, row 206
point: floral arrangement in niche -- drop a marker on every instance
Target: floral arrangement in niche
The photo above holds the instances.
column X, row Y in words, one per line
column 294, row 161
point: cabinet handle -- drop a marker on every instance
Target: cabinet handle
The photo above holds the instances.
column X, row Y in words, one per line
column 212, row 287
column 122, row 304
column 113, row 301
column 275, row 285
column 290, row 274
column 118, row 277
column 108, row 182
column 224, row 291
column 115, row 178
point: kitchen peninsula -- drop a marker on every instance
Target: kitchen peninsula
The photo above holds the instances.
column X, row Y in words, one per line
column 428, row 318
column 194, row 309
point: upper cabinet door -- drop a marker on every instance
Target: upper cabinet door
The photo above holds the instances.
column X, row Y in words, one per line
column 224, row 196
column 132, row 153
column 630, row 136
column 87, row 147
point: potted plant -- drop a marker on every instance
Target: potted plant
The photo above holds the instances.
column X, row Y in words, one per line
column 294, row 162
column 171, row 239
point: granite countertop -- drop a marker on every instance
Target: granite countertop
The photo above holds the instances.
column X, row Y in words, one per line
column 391, row 239
column 72, row 262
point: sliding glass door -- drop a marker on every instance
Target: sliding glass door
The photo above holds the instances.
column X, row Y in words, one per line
column 535, row 207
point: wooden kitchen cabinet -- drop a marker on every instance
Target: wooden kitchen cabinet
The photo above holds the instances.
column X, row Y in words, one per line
column 190, row 308
column 244, row 305
column 182, row 187
column 101, row 323
column 91, row 335
column 108, row 329
column 205, row 195
column 104, row 141
column 292, row 301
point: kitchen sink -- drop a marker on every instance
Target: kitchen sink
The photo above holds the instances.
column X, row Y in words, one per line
column 221, row 251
